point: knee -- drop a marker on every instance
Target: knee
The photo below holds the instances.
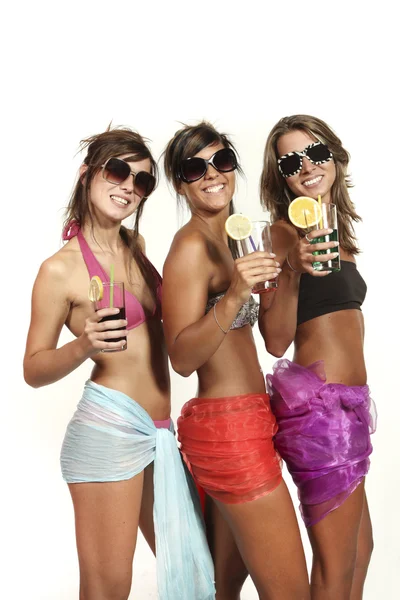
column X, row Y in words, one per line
column 338, row 569
column 229, row 587
column 364, row 553
column 105, row 585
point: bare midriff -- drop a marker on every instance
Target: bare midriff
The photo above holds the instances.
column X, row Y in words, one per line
column 234, row 369
column 336, row 338
column 141, row 371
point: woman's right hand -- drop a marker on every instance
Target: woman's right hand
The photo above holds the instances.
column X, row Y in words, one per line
column 98, row 336
column 249, row 270
column 301, row 258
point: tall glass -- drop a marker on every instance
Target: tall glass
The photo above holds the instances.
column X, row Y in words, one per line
column 113, row 297
column 328, row 221
column 259, row 239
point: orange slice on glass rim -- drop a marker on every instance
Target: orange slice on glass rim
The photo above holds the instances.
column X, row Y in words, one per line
column 238, row 227
column 95, row 289
column 304, row 212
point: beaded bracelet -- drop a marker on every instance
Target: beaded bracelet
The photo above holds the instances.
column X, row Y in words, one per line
column 216, row 320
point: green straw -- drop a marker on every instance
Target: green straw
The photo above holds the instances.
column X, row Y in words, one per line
column 111, row 286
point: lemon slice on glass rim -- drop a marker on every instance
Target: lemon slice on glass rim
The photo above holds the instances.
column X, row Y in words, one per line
column 304, row 212
column 238, row 226
column 95, row 289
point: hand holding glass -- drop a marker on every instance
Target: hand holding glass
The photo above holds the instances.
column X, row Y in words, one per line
column 113, row 297
column 328, row 221
column 259, row 240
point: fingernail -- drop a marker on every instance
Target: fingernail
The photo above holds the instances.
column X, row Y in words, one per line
column 336, row 243
column 277, row 264
column 330, row 230
column 272, row 254
column 279, row 270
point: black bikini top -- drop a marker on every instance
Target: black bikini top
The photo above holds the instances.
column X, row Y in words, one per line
column 340, row 290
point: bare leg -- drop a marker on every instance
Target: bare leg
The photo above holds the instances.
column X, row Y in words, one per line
column 146, row 522
column 268, row 538
column 334, row 543
column 106, row 521
column 230, row 570
column 365, row 546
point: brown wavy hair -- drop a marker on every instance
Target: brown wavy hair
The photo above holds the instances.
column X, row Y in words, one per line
column 101, row 147
column 186, row 143
column 276, row 196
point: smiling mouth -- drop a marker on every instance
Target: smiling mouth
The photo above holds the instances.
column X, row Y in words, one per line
column 214, row 189
column 120, row 201
column 313, row 181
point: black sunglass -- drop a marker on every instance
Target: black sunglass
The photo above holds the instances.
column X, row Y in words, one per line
column 192, row 169
column 116, row 171
column 292, row 162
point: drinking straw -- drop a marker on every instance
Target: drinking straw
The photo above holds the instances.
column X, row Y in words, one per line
column 111, row 286
column 252, row 243
column 320, row 206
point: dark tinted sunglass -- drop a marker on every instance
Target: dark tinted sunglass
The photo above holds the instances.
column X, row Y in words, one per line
column 192, row 169
column 116, row 171
column 292, row 162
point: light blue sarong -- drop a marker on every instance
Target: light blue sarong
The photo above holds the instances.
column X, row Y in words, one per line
column 112, row 438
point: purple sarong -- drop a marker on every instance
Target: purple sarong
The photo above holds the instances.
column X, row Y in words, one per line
column 323, row 434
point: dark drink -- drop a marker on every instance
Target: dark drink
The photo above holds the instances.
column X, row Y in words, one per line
column 120, row 315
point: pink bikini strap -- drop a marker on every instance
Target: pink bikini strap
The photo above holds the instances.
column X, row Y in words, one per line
column 70, row 230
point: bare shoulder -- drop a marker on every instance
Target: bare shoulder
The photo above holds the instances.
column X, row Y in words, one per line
column 188, row 244
column 60, row 266
column 284, row 234
column 188, row 255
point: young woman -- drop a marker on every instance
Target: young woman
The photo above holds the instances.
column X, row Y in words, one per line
column 226, row 431
column 121, row 435
column 321, row 400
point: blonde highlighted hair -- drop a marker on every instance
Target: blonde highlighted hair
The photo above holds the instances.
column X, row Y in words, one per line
column 275, row 194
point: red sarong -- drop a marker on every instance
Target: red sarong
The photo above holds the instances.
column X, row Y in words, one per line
column 227, row 444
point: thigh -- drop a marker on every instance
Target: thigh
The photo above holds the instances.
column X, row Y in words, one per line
column 106, row 522
column 146, row 521
column 334, row 539
column 268, row 537
column 230, row 570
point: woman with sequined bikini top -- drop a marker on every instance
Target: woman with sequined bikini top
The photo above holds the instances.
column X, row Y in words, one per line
column 226, row 431
column 321, row 401
column 119, row 450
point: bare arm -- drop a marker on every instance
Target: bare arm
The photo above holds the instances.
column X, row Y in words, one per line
column 278, row 312
column 44, row 363
column 193, row 337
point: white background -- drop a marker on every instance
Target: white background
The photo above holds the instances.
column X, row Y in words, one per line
column 71, row 68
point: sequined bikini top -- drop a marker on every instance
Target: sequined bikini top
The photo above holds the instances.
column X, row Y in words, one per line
column 248, row 313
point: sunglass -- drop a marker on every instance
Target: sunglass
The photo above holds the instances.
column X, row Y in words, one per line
column 292, row 162
column 116, row 171
column 192, row 169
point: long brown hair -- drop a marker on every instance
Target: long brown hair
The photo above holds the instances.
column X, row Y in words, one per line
column 276, row 195
column 101, row 147
column 186, row 143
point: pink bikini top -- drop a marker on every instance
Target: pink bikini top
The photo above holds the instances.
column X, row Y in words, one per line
column 135, row 314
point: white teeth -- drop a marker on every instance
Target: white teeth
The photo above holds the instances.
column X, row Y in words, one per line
column 313, row 181
column 119, row 200
column 214, row 188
